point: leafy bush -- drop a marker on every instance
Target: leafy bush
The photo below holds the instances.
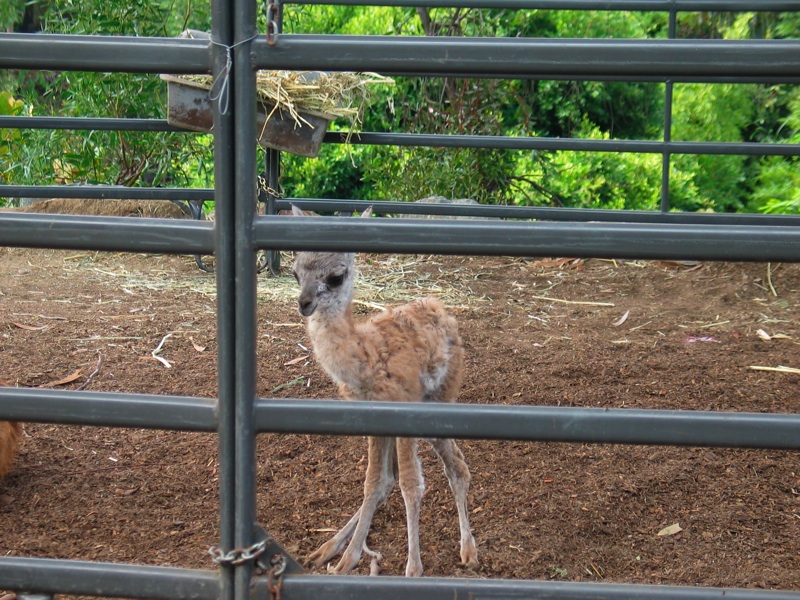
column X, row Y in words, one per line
column 591, row 109
column 9, row 138
column 109, row 157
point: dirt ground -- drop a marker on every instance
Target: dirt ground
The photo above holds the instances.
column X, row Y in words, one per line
column 537, row 332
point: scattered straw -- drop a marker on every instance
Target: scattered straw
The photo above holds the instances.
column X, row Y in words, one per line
column 578, row 302
column 288, row 384
column 778, row 369
column 769, row 280
column 100, row 360
column 158, row 349
column 330, row 95
column 383, row 280
column 715, row 324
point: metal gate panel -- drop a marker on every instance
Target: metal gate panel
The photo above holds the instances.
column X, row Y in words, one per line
column 237, row 415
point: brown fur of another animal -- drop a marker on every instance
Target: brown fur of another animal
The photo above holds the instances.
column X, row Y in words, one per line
column 111, row 208
column 10, row 433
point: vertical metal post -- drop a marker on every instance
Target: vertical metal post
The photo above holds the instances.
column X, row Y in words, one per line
column 666, row 157
column 244, row 204
column 273, row 172
column 273, row 160
column 222, row 36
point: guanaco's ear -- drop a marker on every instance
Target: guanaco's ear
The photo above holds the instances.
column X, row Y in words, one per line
column 367, row 213
column 297, row 212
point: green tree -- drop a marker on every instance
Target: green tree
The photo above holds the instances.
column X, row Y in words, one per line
column 698, row 116
column 778, row 178
column 9, row 138
column 551, row 108
column 124, row 158
column 480, row 106
column 735, row 113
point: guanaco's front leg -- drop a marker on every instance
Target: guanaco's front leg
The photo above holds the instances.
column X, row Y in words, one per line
column 380, row 479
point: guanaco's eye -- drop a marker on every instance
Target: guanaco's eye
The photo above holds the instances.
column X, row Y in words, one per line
column 335, row 281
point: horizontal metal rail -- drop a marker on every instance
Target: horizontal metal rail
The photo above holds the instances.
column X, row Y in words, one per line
column 690, row 241
column 576, row 239
column 310, row 587
column 603, row 5
column 338, row 417
column 544, row 213
column 374, row 138
column 548, row 213
column 678, row 60
column 571, row 144
column 108, row 409
column 89, row 123
column 530, row 423
column 50, row 576
column 105, row 192
column 103, row 53
column 123, row 234
column 633, row 60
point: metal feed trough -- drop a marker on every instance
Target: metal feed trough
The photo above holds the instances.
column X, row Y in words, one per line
column 236, row 235
column 189, row 106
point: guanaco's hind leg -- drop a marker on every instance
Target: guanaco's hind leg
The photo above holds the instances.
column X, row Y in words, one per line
column 380, row 479
column 457, row 472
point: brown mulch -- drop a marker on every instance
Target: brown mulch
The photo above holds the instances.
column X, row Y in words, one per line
column 539, row 510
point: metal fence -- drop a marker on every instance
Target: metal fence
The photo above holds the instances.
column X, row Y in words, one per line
column 237, row 415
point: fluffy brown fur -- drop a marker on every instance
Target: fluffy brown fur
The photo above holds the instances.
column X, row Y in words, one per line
column 412, row 353
column 9, row 440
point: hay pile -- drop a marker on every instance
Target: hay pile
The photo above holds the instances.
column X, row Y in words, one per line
column 328, row 95
column 113, row 208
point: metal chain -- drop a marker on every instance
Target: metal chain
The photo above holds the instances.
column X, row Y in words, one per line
column 264, row 187
column 277, row 563
column 277, row 567
column 273, row 14
column 238, row 556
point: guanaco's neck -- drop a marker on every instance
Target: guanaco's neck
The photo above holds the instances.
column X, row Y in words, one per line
column 339, row 348
column 326, row 323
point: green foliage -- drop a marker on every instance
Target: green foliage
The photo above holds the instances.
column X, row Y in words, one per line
column 736, row 113
column 778, row 183
column 347, row 20
column 550, row 108
column 697, row 117
column 11, row 12
column 779, row 186
column 625, row 110
column 9, row 138
column 124, row 158
column 592, row 179
column 165, row 18
column 333, row 174
column 413, row 173
column 479, row 107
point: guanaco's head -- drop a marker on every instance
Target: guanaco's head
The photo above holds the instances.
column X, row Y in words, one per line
column 325, row 278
